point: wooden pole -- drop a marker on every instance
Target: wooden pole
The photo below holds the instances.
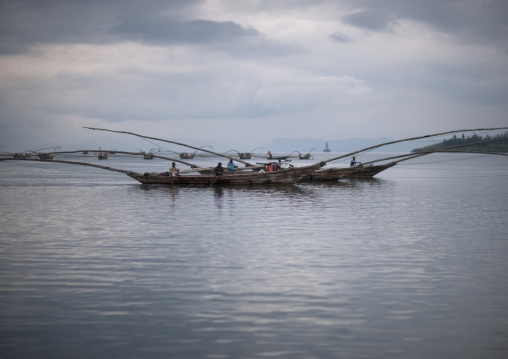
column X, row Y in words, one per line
column 70, row 163
column 176, row 143
column 136, row 154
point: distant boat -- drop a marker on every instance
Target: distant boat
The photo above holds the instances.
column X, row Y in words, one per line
column 148, row 155
column 326, row 148
column 190, row 156
column 46, row 156
column 102, row 155
column 21, row 156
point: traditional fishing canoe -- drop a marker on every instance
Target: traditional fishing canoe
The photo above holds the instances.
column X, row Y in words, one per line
column 306, row 156
column 283, row 176
column 247, row 155
column 21, row 156
column 329, row 174
column 369, row 171
column 46, row 156
column 187, row 156
column 359, row 171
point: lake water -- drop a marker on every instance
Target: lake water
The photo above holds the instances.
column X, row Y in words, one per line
column 411, row 264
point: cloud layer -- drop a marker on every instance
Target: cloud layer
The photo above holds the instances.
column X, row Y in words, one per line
column 250, row 72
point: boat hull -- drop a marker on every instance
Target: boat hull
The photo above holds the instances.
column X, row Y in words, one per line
column 284, row 176
column 370, row 171
column 334, row 174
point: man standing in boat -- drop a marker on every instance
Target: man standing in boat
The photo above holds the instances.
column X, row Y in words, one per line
column 219, row 170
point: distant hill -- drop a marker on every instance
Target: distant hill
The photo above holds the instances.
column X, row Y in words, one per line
column 501, row 146
column 304, row 145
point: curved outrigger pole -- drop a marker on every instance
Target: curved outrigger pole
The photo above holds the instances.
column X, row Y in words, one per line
column 247, row 164
column 410, row 139
column 139, row 154
column 72, row 163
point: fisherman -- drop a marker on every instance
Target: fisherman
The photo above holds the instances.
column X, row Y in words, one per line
column 269, row 154
column 173, row 171
column 219, row 170
column 353, row 162
column 231, row 165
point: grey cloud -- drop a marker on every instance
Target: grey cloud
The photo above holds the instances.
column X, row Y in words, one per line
column 375, row 20
column 167, row 30
column 338, row 37
column 486, row 20
column 24, row 23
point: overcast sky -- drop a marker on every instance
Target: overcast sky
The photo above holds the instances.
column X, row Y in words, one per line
column 249, row 71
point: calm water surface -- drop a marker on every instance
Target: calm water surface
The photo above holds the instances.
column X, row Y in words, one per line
column 412, row 264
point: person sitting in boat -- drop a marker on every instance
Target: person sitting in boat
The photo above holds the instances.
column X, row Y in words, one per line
column 354, row 163
column 231, row 165
column 173, row 171
column 219, row 170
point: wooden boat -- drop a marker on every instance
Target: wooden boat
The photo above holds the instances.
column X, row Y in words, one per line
column 148, row 155
column 360, row 171
column 270, row 156
column 190, row 156
column 102, row 155
column 20, row 156
column 284, row 176
column 46, row 156
column 247, row 155
column 329, row 174
column 307, row 156
column 370, row 170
